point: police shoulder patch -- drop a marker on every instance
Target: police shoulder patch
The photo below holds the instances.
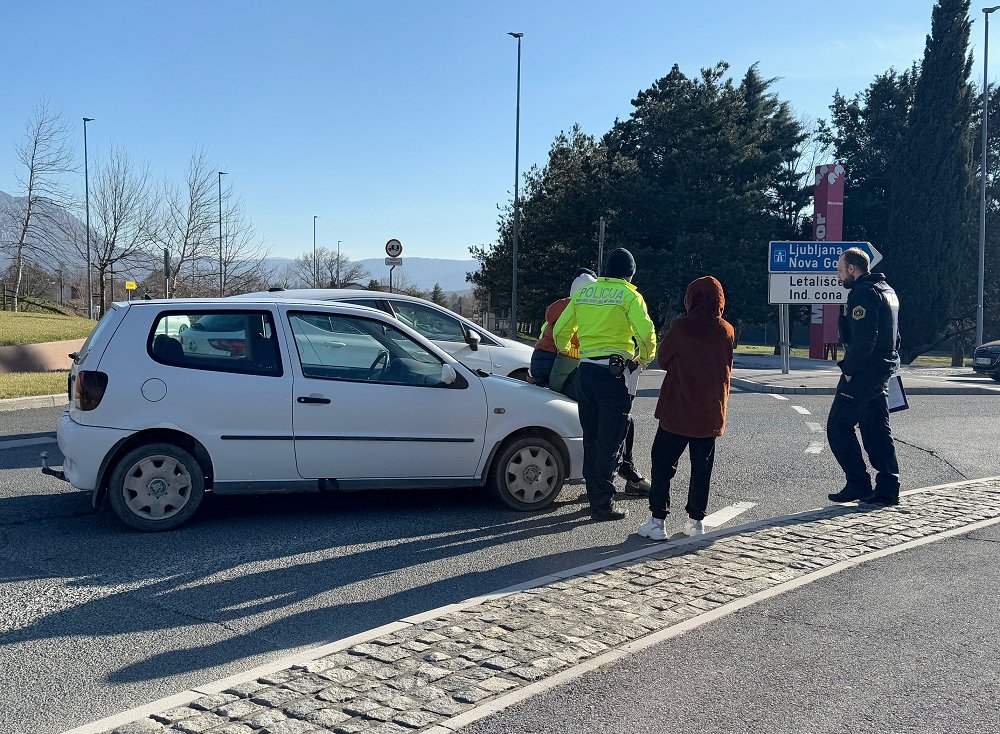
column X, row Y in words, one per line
column 858, row 313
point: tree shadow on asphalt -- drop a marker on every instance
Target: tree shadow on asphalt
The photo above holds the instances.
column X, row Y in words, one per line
column 216, row 569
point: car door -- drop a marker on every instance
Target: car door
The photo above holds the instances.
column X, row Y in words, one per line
column 370, row 408
column 445, row 331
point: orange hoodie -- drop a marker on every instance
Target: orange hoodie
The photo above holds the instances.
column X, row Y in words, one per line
column 697, row 353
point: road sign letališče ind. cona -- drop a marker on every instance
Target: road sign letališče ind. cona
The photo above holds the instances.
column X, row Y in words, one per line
column 806, row 272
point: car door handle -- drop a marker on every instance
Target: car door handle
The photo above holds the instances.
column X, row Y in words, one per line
column 312, row 399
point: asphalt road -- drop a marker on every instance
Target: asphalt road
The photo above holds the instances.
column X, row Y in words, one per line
column 906, row 643
column 95, row 618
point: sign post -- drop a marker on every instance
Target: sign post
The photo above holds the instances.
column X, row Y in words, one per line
column 393, row 248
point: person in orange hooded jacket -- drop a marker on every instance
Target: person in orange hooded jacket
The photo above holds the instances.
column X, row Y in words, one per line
column 697, row 355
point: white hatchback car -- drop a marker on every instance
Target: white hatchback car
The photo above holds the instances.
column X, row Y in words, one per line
column 469, row 343
column 317, row 396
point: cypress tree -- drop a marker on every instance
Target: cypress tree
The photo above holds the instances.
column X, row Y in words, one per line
column 931, row 233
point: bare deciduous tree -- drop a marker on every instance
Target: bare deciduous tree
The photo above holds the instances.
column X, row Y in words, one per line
column 38, row 214
column 300, row 272
column 124, row 217
column 189, row 217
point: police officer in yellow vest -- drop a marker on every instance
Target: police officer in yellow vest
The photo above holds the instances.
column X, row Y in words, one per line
column 611, row 321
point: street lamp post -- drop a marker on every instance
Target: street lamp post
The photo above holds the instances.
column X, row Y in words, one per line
column 315, row 261
column 222, row 270
column 517, row 203
column 982, row 191
column 338, row 262
column 86, row 195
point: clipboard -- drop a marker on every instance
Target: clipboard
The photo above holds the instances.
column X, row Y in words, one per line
column 896, row 397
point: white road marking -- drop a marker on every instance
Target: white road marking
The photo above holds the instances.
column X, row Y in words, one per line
column 800, row 409
column 25, row 442
column 815, row 427
column 726, row 514
column 814, row 447
column 776, row 396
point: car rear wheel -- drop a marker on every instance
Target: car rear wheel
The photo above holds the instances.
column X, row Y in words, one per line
column 155, row 487
column 996, row 376
column 528, row 473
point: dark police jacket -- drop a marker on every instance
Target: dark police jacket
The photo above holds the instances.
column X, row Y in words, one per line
column 869, row 329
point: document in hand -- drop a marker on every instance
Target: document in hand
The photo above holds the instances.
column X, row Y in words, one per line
column 632, row 379
column 897, row 395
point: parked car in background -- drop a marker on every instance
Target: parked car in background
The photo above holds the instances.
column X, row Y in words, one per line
column 277, row 395
column 987, row 359
column 466, row 341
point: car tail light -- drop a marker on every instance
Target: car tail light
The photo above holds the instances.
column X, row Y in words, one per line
column 235, row 347
column 90, row 387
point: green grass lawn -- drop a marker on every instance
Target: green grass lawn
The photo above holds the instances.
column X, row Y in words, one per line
column 23, row 384
column 35, row 328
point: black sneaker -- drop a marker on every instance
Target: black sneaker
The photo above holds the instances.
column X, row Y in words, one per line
column 877, row 498
column 849, row 494
column 639, row 488
column 604, row 514
column 629, row 473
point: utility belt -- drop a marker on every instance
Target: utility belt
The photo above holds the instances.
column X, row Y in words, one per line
column 615, row 363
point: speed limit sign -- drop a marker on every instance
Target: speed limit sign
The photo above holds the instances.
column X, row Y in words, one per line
column 393, row 248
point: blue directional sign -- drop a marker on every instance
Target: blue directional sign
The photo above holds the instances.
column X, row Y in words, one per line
column 812, row 257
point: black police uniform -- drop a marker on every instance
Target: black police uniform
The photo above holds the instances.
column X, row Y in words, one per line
column 869, row 329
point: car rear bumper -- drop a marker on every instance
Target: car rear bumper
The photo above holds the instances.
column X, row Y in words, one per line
column 84, row 449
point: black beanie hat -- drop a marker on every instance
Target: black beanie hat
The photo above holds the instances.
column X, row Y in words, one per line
column 620, row 264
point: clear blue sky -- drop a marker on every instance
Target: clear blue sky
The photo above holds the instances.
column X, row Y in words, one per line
column 396, row 119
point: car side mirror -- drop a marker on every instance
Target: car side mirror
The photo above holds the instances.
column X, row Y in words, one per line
column 448, row 374
column 472, row 338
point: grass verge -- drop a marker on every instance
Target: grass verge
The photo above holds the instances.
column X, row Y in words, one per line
column 25, row 384
column 35, row 328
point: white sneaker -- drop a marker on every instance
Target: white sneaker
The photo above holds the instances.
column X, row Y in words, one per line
column 694, row 527
column 653, row 529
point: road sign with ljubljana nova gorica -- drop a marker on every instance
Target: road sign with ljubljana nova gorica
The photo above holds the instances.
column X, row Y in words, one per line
column 806, row 272
column 813, row 257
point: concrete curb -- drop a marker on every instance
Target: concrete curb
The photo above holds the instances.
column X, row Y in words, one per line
column 34, row 401
column 754, row 386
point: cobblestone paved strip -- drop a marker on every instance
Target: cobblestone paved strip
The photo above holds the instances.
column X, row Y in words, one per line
column 415, row 678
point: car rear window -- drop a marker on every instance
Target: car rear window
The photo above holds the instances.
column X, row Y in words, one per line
column 99, row 334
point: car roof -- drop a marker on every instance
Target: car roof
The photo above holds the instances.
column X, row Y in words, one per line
column 247, row 301
column 331, row 294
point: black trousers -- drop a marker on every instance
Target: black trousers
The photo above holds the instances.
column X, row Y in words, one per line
column 861, row 402
column 604, row 415
column 667, row 451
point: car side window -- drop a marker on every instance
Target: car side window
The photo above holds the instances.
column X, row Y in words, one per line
column 340, row 347
column 369, row 302
column 428, row 321
column 234, row 341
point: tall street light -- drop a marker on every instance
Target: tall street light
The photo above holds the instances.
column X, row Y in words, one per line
column 315, row 261
column 982, row 192
column 86, row 194
column 517, row 203
column 338, row 262
column 222, row 280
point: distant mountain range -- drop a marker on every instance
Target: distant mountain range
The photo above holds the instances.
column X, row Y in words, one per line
column 423, row 272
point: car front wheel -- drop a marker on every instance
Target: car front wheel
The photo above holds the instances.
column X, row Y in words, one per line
column 528, row 473
column 155, row 487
